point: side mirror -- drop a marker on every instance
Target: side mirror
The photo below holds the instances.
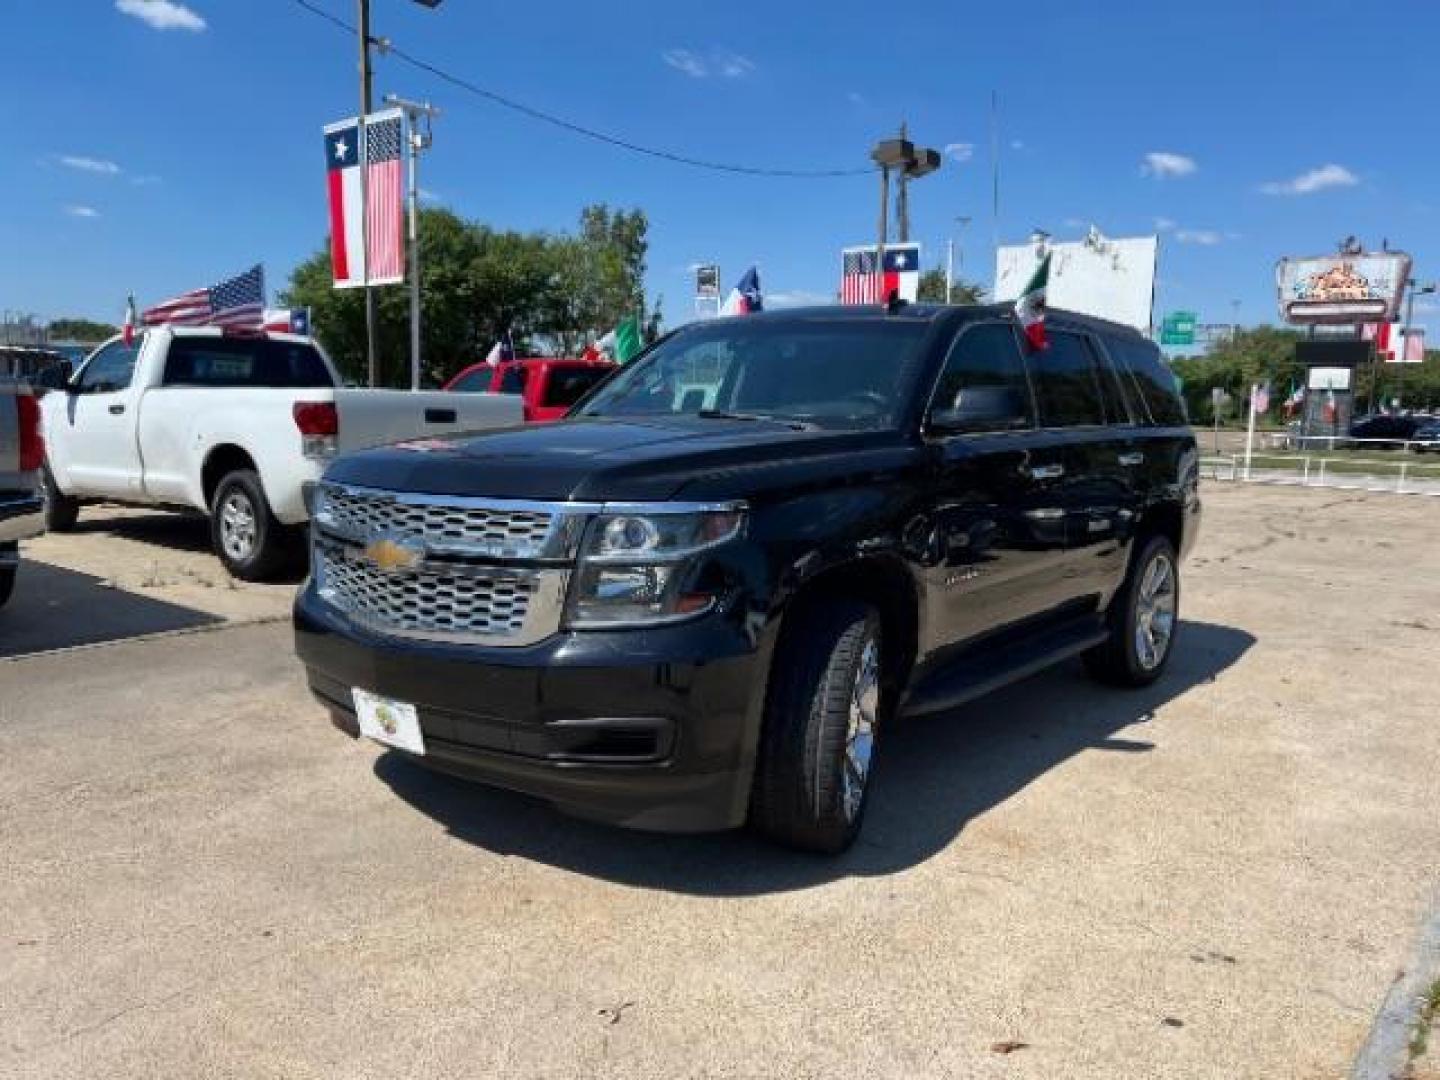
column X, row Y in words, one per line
column 982, row 408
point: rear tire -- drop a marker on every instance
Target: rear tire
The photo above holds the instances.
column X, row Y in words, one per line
column 61, row 511
column 822, row 720
column 244, row 533
column 1143, row 619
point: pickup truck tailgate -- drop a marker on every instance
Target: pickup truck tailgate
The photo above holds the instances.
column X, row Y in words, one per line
column 376, row 417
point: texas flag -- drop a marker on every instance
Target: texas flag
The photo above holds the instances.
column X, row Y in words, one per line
column 745, row 297
column 369, row 219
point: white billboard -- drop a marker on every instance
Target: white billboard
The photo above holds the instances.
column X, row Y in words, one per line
column 1112, row 278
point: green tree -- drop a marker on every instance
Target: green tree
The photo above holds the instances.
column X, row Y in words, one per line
column 932, row 289
column 477, row 285
column 75, row 328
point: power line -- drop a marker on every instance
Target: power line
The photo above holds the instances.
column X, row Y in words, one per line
column 580, row 129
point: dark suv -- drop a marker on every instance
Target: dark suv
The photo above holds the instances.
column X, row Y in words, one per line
column 702, row 598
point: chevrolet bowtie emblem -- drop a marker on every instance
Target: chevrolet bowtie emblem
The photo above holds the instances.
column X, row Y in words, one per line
column 391, row 554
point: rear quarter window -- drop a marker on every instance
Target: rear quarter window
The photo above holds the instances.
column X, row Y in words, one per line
column 1152, row 379
column 245, row 362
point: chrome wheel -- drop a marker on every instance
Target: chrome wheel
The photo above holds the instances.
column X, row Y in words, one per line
column 1155, row 612
column 238, row 527
column 860, row 730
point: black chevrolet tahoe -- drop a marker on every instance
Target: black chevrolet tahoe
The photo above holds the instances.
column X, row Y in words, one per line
column 702, row 599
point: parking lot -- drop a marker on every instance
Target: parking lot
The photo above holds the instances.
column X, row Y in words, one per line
column 1220, row 876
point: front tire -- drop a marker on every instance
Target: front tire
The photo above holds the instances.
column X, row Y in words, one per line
column 243, row 531
column 1143, row 619
column 61, row 511
column 812, row 779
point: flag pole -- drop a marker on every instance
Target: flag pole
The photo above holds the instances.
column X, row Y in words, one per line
column 1250, row 430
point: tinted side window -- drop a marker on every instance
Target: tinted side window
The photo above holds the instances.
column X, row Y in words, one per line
column 513, row 381
column 475, row 382
column 567, row 386
column 110, row 369
column 1066, row 385
column 1153, row 380
column 1122, row 400
column 983, row 385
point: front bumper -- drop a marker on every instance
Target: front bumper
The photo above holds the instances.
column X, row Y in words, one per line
column 21, row 516
column 652, row 729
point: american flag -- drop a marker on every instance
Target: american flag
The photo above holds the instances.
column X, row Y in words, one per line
column 384, row 199
column 236, row 302
column 859, row 284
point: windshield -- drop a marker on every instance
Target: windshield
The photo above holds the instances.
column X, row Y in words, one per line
column 833, row 373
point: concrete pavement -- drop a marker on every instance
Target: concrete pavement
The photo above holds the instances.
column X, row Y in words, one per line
column 1217, row 877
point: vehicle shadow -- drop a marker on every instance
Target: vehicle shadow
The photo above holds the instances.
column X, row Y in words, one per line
column 176, row 531
column 934, row 776
column 54, row 608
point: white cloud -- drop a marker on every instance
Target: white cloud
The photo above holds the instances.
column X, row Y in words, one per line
column 1204, row 237
column 82, row 211
column 1017, row 144
column 720, row 62
column 162, row 14
column 145, row 181
column 855, row 98
column 89, row 164
column 426, row 195
column 1075, row 223
column 686, row 61
column 733, row 65
column 1164, row 164
column 1307, row 183
column 960, row 151
column 1164, row 224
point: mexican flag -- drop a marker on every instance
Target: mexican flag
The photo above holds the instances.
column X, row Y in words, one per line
column 1030, row 306
column 627, row 340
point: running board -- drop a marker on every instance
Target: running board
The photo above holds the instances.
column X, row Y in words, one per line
column 989, row 668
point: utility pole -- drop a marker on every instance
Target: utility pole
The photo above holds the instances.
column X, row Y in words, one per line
column 884, row 229
column 364, row 157
column 418, row 140
column 902, row 202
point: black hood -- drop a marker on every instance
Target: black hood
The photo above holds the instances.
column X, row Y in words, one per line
column 591, row 460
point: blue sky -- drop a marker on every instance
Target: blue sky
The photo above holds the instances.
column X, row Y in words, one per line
column 167, row 146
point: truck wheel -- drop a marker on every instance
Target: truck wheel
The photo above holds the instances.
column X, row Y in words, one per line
column 243, row 531
column 1143, row 619
column 817, row 747
column 61, row 511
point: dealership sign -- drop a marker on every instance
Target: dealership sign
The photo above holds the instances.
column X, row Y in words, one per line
column 1342, row 288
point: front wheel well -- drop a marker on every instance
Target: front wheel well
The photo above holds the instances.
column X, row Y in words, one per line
column 1163, row 519
column 889, row 588
column 220, row 463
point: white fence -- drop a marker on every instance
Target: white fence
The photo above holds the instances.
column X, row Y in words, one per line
column 1399, row 472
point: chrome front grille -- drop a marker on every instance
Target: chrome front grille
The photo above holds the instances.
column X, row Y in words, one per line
column 425, row 603
column 449, row 569
column 473, row 529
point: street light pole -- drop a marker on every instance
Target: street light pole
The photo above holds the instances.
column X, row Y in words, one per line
column 1414, row 287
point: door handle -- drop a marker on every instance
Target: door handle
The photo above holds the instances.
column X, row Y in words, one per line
column 116, row 410
column 1044, row 472
column 1133, row 458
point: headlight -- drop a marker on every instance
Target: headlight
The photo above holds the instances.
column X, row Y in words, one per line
column 637, row 564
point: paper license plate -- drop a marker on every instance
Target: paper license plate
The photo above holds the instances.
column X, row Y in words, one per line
column 394, row 723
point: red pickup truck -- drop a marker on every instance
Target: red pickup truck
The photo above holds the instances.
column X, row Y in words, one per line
column 547, row 386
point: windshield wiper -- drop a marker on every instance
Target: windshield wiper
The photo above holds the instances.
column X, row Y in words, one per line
column 725, row 414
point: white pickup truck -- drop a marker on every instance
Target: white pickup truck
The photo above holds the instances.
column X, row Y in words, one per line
column 234, row 425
